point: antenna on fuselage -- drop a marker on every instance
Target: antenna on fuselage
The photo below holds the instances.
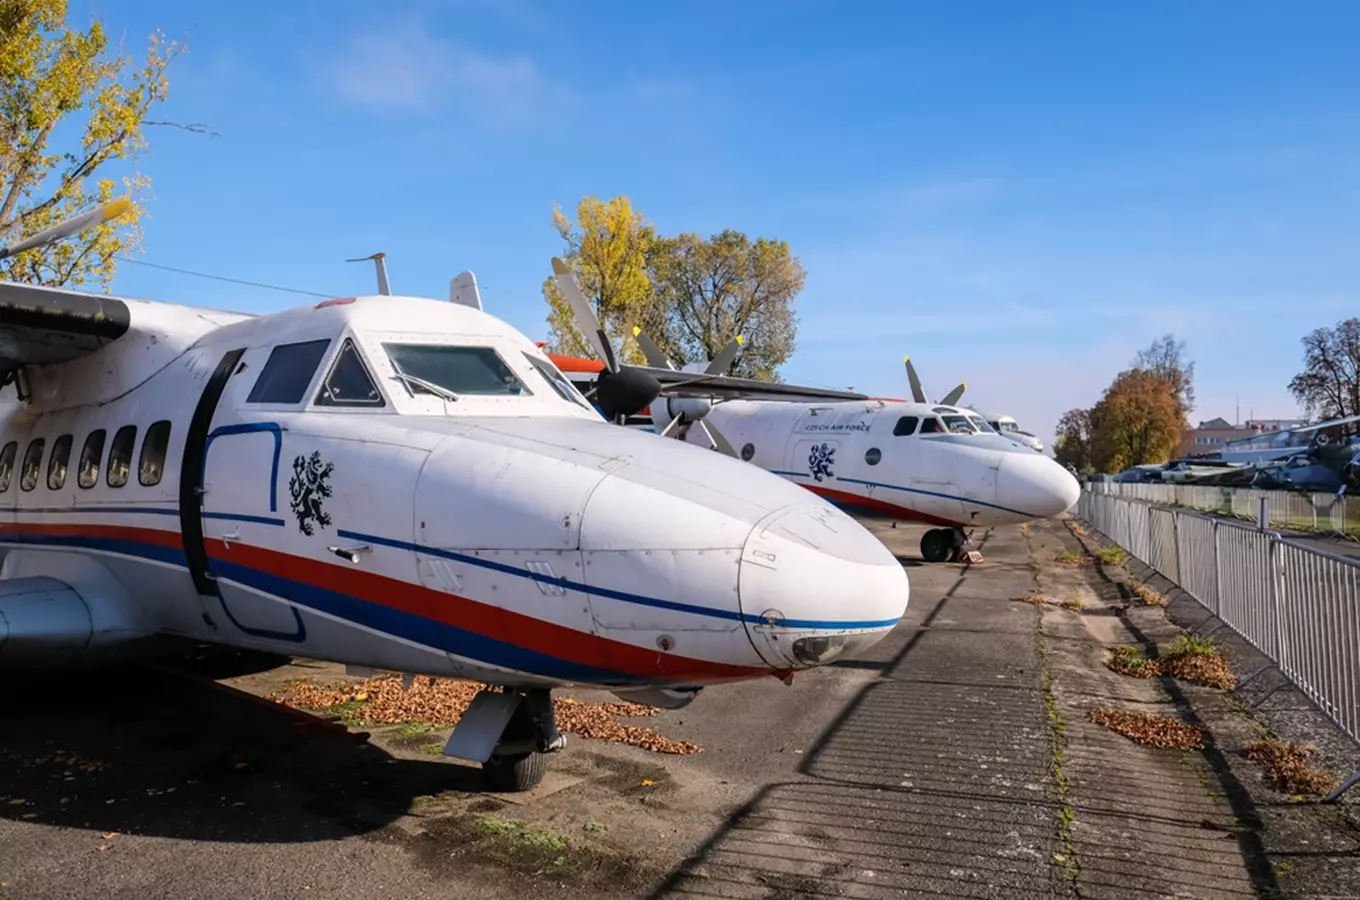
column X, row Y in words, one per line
column 378, row 260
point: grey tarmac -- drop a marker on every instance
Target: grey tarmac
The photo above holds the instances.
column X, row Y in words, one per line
column 954, row 762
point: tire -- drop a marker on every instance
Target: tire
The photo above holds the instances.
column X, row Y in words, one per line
column 937, row 545
column 512, row 774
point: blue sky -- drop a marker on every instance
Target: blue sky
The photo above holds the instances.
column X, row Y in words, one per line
column 1018, row 195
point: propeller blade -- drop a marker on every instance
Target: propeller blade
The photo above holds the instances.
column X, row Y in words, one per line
column 952, row 398
column 916, row 393
column 96, row 216
column 655, row 357
column 717, row 438
column 721, row 363
column 585, row 319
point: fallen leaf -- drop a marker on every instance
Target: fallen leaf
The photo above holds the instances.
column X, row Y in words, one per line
column 109, row 835
column 647, row 782
column 361, row 696
column 17, row 801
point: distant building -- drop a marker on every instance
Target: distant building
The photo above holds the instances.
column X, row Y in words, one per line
column 1210, row 436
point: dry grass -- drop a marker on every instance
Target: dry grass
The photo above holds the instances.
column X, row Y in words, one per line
column 1189, row 658
column 1112, row 556
column 1153, row 731
column 442, row 702
column 1146, row 594
column 1072, row 558
column 1287, row 764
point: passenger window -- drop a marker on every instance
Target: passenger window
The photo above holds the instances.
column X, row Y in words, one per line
column 152, row 463
column 56, row 466
column 348, row 383
column 931, row 425
column 90, row 456
column 28, row 478
column 905, row 426
column 120, row 456
column 7, row 464
column 288, row 371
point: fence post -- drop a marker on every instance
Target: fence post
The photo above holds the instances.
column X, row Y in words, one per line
column 1263, row 514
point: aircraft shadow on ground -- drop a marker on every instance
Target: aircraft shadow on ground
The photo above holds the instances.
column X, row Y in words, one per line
column 924, row 818
column 138, row 751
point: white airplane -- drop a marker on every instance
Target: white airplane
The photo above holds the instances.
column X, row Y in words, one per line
column 931, row 463
column 401, row 484
column 1002, row 424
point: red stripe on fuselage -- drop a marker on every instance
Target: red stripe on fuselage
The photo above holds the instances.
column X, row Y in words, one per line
column 518, row 629
column 881, row 507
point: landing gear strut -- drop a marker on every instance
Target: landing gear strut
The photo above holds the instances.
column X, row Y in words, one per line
column 520, row 759
column 944, row 544
column 510, row 732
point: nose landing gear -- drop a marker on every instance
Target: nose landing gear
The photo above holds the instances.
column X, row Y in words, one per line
column 510, row 733
column 947, row 545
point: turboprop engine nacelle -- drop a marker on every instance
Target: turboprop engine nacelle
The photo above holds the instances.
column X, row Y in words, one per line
column 665, row 409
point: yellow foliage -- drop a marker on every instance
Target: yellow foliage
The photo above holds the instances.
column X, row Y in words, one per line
column 53, row 77
column 607, row 249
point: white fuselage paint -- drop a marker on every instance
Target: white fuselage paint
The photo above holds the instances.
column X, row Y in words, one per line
column 517, row 540
column 849, row 453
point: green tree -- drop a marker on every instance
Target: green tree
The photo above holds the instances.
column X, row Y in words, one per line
column 607, row 249
column 1136, row 422
column 70, row 109
column 710, row 291
column 1074, row 440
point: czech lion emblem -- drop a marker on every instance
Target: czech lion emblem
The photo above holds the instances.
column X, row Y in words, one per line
column 820, row 460
column 309, row 487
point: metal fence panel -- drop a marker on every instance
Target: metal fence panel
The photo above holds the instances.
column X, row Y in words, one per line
column 1297, row 605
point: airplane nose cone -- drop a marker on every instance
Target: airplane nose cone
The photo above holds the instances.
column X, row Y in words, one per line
column 814, row 586
column 1035, row 486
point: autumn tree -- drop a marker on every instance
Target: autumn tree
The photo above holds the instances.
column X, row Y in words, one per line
column 1329, row 384
column 607, row 249
column 1074, row 440
column 70, row 109
column 1166, row 359
column 1138, row 421
column 710, row 291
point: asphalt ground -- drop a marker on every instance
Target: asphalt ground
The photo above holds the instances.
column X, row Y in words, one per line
column 955, row 761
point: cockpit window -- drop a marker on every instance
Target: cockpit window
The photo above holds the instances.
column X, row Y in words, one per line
column 981, row 425
column 1007, row 426
column 348, row 382
column 931, row 425
column 455, row 369
column 958, row 424
column 557, row 380
column 905, row 426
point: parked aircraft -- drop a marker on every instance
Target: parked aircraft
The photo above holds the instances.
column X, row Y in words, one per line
column 931, row 463
column 403, row 484
column 1002, row 424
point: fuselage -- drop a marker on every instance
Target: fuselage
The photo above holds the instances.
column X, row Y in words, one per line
column 305, row 483
column 914, row 461
column 882, row 458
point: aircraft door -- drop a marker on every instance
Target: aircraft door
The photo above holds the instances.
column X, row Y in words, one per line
column 229, row 509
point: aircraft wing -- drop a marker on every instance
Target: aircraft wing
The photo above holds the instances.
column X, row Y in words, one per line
column 43, row 325
column 728, row 387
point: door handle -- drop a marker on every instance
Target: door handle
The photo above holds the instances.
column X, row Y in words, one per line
column 350, row 554
column 233, row 535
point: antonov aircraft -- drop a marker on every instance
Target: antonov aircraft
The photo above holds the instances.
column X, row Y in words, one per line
column 403, row 484
column 932, row 463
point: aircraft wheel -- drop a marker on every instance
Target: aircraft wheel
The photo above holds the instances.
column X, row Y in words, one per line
column 937, row 545
column 509, row 774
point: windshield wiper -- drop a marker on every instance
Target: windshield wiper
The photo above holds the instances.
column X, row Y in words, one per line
column 441, row 392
